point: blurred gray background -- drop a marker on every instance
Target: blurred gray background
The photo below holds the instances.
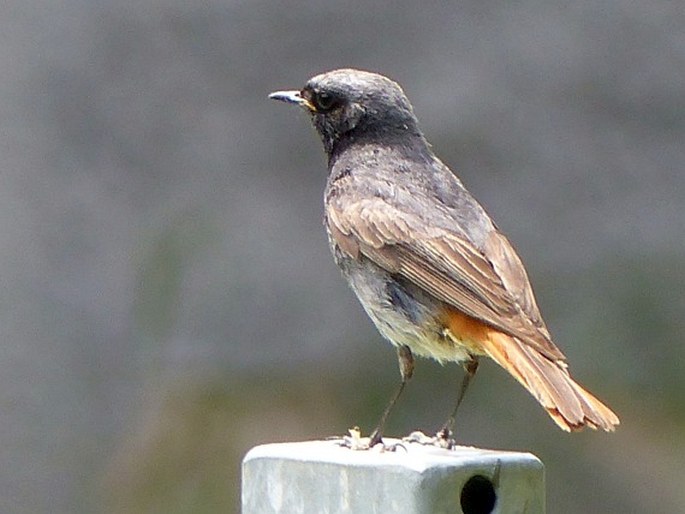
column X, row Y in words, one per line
column 168, row 298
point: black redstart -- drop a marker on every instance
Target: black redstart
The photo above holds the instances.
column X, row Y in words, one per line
column 427, row 263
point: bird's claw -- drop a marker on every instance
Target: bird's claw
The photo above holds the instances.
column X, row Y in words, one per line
column 355, row 441
column 443, row 439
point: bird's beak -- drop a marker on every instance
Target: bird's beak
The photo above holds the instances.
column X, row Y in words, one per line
column 292, row 97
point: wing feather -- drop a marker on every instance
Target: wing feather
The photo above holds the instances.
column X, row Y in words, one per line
column 490, row 285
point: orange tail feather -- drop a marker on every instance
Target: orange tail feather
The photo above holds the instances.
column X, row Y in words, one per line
column 570, row 406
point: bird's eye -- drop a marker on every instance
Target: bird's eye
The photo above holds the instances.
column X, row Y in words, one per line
column 324, row 101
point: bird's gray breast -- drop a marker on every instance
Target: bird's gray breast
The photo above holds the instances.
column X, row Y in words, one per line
column 402, row 313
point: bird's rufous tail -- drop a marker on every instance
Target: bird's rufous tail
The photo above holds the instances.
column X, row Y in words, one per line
column 570, row 406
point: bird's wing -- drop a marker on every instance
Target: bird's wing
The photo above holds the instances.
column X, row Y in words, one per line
column 489, row 285
column 509, row 268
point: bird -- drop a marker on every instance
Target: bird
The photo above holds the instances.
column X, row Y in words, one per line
column 431, row 269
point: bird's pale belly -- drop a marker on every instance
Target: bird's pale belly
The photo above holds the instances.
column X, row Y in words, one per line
column 403, row 313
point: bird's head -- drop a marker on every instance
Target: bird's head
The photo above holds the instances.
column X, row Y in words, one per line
column 351, row 104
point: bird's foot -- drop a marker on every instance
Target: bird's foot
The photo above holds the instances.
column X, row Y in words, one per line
column 355, row 441
column 443, row 439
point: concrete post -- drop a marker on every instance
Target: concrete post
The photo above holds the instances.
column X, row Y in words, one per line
column 322, row 477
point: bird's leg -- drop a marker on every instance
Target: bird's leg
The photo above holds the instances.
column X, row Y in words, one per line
column 406, row 361
column 470, row 368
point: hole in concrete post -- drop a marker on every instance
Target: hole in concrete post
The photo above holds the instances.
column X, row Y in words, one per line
column 478, row 495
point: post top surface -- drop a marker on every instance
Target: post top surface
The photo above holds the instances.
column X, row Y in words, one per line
column 413, row 456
